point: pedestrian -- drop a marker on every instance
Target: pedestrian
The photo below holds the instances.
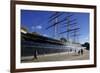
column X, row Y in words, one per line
column 78, row 52
column 35, row 54
column 81, row 51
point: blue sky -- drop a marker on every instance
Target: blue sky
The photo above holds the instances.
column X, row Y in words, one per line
column 37, row 21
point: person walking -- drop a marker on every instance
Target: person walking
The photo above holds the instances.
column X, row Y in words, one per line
column 81, row 51
column 78, row 52
column 35, row 54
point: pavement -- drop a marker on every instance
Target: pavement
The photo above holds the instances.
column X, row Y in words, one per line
column 63, row 56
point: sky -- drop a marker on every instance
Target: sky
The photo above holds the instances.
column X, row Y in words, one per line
column 39, row 21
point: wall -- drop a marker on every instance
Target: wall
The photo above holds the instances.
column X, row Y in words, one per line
column 5, row 36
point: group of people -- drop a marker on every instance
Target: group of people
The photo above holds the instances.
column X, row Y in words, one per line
column 80, row 52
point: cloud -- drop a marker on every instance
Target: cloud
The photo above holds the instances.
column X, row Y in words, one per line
column 45, row 35
column 39, row 27
column 36, row 27
column 33, row 27
column 84, row 39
